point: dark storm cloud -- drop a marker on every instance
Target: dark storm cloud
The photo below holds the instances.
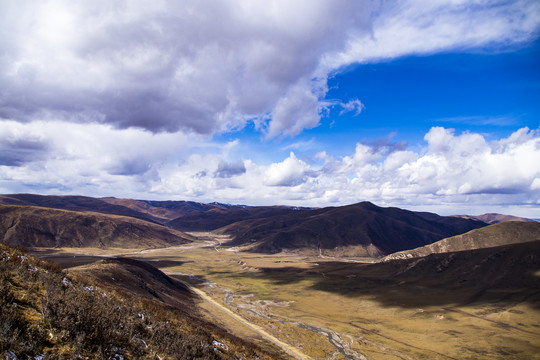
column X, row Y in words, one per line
column 130, row 167
column 227, row 170
column 191, row 66
column 21, row 151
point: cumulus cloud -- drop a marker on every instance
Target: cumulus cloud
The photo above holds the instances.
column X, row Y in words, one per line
column 203, row 67
column 212, row 66
column 107, row 98
column 451, row 171
column 17, row 148
column 289, row 172
column 82, row 157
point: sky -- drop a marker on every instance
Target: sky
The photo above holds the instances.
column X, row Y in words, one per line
column 428, row 105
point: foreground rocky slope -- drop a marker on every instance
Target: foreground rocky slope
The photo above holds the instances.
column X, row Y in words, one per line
column 46, row 313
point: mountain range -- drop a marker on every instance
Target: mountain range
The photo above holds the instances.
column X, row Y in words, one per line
column 362, row 229
column 130, row 309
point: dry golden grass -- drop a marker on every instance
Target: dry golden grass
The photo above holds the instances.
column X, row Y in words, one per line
column 301, row 304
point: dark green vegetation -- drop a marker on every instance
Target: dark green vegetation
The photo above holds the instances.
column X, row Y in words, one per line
column 46, row 312
column 33, row 226
column 505, row 233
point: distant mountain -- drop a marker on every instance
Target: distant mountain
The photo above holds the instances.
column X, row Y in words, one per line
column 357, row 230
column 207, row 220
column 34, row 226
column 166, row 211
column 75, row 203
column 493, row 218
column 505, row 233
column 155, row 211
column 362, row 229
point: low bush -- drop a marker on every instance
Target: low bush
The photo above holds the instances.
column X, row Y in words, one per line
column 47, row 314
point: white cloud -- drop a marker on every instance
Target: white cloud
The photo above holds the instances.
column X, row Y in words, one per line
column 352, row 105
column 422, row 27
column 92, row 158
column 452, row 170
column 106, row 98
column 212, row 66
column 289, row 172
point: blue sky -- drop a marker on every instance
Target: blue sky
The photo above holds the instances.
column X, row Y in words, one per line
column 425, row 105
column 492, row 91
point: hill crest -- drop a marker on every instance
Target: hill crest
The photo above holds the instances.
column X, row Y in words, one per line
column 500, row 234
column 33, row 226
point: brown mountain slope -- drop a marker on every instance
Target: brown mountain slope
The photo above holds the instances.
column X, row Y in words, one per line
column 46, row 313
column 137, row 277
column 493, row 218
column 155, row 211
column 361, row 229
column 166, row 211
column 41, row 227
column 510, row 232
column 75, row 203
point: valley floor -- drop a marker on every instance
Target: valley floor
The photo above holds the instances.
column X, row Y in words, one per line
column 322, row 308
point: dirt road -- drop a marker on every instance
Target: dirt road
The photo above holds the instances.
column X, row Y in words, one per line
column 289, row 349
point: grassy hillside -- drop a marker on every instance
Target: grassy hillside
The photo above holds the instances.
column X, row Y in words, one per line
column 42, row 227
column 361, row 229
column 74, row 203
column 504, row 275
column 493, row 218
column 154, row 211
column 47, row 313
column 137, row 277
column 505, row 233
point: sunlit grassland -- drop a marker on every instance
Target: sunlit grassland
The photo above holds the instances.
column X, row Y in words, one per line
column 380, row 319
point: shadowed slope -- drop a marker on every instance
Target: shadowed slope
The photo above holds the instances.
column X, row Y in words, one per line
column 505, row 274
column 46, row 313
column 140, row 278
column 215, row 218
column 361, row 229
